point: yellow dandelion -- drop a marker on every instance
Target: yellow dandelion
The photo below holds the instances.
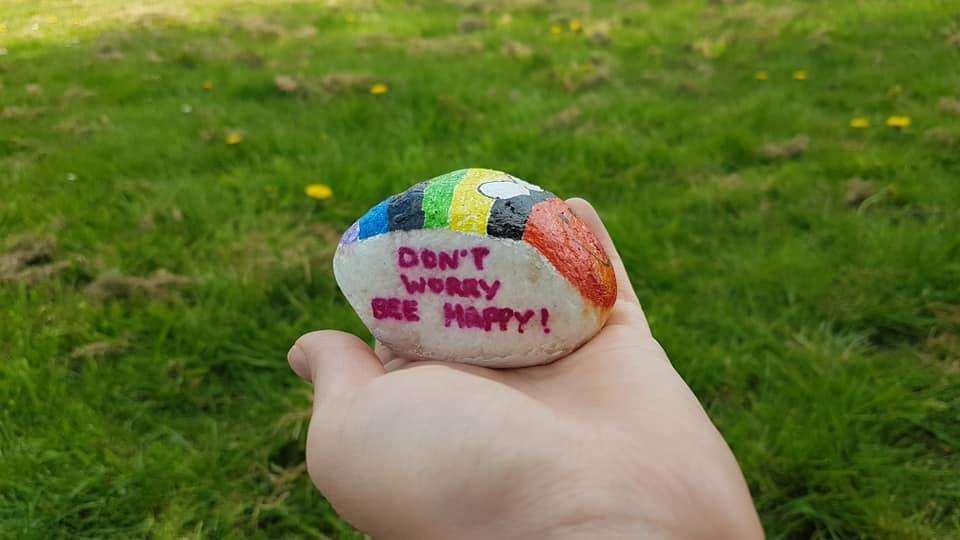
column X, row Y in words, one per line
column 207, row 85
column 800, row 75
column 898, row 121
column 379, row 89
column 3, row 28
column 761, row 76
column 52, row 19
column 576, row 25
column 350, row 18
column 321, row 192
column 234, row 137
column 556, row 29
column 859, row 123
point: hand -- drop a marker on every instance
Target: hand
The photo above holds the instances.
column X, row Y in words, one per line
column 608, row 442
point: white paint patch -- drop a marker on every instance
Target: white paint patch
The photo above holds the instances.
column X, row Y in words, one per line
column 528, row 185
column 503, row 189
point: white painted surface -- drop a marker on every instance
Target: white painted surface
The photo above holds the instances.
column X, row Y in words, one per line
column 368, row 268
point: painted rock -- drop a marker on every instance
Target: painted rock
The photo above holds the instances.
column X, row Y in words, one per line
column 476, row 266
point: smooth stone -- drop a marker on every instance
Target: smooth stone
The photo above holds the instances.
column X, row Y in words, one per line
column 479, row 267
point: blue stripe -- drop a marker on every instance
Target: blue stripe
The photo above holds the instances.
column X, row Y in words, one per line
column 375, row 221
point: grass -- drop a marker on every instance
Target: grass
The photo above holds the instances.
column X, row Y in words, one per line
column 153, row 275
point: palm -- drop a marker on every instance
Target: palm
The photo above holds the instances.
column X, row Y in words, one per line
column 473, row 444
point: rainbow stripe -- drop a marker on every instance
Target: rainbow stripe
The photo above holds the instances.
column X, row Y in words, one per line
column 493, row 203
column 453, row 201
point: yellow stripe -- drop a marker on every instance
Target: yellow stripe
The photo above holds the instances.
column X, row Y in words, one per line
column 470, row 209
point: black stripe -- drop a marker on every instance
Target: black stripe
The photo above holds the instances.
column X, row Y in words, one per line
column 405, row 212
column 508, row 217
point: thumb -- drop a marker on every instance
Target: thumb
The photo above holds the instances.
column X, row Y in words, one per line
column 586, row 212
column 335, row 362
column 627, row 309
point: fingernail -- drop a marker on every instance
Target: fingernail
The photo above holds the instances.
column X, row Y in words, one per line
column 297, row 358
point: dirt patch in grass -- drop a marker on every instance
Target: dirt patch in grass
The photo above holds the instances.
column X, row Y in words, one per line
column 75, row 92
column 943, row 343
column 449, row 45
column 282, row 481
column 858, row 190
column 942, row 136
column 947, row 314
column 113, row 284
column 953, row 38
column 248, row 59
column 711, row 48
column 515, row 49
column 863, row 195
column 765, row 21
column 597, row 72
column 347, row 82
column 949, row 106
column 598, row 32
column 565, row 119
column 17, row 112
column 730, row 182
column 309, row 248
column 30, row 260
column 470, row 24
column 82, row 127
column 441, row 45
column 110, row 53
column 788, row 149
column 287, row 84
column 98, row 349
column 256, row 26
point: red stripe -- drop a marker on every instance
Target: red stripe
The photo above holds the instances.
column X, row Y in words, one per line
column 571, row 247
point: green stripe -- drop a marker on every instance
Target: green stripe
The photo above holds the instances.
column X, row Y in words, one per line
column 437, row 199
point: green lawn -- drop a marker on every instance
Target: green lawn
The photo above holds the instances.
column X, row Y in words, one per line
column 803, row 274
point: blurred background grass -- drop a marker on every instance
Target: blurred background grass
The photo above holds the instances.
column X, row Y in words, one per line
column 160, row 253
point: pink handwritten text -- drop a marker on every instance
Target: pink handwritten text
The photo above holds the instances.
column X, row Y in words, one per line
column 455, row 315
column 452, row 286
column 408, row 257
column 395, row 308
column 490, row 318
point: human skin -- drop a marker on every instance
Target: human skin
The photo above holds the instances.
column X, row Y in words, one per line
column 608, row 442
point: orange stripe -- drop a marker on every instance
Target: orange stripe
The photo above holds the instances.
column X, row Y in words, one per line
column 571, row 247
